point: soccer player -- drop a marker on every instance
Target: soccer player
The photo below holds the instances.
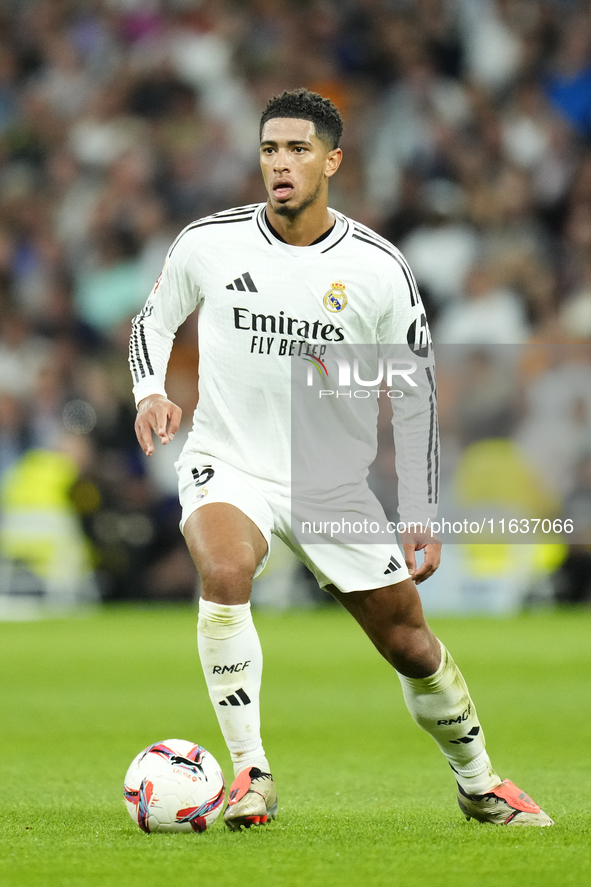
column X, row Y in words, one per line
column 272, row 281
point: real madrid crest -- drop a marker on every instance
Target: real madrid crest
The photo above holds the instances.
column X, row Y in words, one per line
column 335, row 299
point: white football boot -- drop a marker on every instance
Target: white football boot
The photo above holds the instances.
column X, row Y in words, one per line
column 252, row 800
column 505, row 804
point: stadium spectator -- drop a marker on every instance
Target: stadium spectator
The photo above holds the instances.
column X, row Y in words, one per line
column 122, row 121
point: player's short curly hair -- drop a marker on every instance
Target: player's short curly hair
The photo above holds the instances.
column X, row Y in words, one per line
column 305, row 105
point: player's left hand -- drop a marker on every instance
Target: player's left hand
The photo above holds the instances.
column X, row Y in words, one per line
column 430, row 544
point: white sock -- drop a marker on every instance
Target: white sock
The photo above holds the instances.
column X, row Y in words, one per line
column 441, row 705
column 232, row 662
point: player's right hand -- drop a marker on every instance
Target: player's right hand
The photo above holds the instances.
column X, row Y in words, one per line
column 156, row 414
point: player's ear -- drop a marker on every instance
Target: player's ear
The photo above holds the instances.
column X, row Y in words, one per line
column 333, row 161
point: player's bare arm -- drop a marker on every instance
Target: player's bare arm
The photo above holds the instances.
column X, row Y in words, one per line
column 159, row 415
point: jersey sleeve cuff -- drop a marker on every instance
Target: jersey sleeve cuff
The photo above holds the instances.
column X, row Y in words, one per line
column 144, row 390
column 424, row 519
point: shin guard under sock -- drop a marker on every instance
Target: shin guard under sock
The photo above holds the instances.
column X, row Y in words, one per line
column 442, row 706
column 232, row 663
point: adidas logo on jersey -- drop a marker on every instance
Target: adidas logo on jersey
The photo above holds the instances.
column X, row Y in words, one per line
column 239, row 698
column 238, row 284
column 392, row 566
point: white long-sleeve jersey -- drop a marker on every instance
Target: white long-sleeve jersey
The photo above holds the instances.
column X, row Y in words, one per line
column 263, row 306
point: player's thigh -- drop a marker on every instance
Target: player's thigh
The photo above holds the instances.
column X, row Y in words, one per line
column 226, row 546
column 393, row 619
column 226, row 522
column 398, row 604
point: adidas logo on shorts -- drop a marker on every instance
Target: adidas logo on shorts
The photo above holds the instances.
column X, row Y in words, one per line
column 392, row 566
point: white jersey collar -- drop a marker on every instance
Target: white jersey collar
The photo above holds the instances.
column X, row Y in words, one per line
column 338, row 232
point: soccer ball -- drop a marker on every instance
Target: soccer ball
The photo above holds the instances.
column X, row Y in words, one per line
column 174, row 786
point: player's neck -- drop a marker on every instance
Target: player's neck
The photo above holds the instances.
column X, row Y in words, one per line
column 303, row 229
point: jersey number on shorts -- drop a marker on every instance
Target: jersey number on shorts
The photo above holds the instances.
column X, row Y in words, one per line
column 201, row 477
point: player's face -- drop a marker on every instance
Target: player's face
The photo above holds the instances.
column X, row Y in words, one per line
column 296, row 164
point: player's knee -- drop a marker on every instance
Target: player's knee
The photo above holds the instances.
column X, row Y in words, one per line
column 228, row 581
column 412, row 651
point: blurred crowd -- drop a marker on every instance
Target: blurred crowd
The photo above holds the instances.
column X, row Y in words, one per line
column 467, row 144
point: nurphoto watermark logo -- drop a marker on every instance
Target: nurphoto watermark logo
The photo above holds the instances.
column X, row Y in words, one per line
column 388, row 370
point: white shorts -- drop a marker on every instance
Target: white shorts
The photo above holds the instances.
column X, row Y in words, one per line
column 350, row 567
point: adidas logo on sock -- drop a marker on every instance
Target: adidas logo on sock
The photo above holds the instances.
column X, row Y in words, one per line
column 242, row 699
column 469, row 738
column 393, row 565
column 238, row 284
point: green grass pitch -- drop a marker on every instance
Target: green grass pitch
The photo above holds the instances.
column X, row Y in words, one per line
column 364, row 796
